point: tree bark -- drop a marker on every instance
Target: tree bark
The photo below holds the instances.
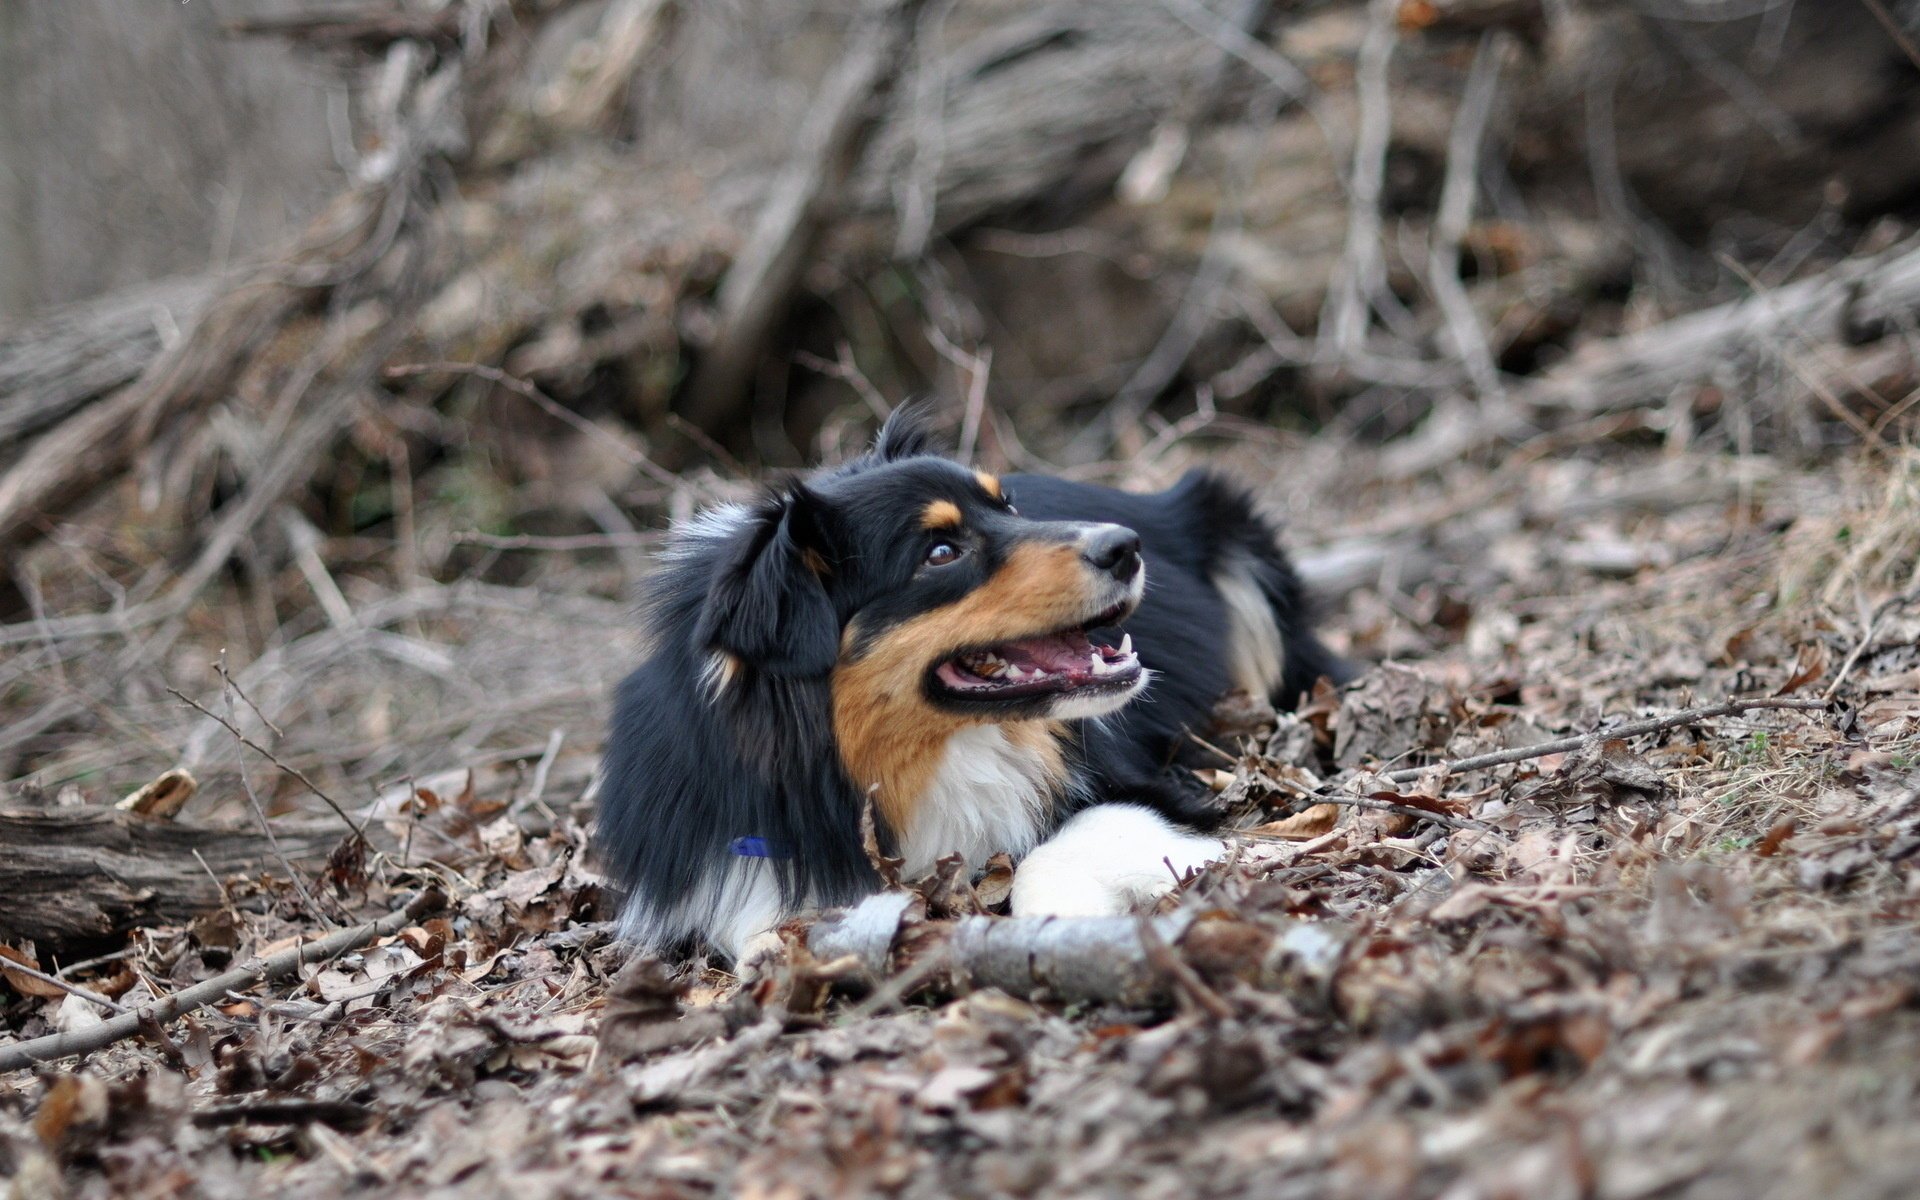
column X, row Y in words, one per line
column 72, row 873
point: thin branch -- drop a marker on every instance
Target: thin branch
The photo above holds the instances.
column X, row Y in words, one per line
column 269, row 755
column 1866, row 639
column 266, row 828
column 547, row 404
column 1894, row 30
column 1350, row 299
column 10, row 966
column 561, row 544
column 1186, row 981
column 254, row 971
column 1500, row 758
column 1404, row 810
column 1455, row 216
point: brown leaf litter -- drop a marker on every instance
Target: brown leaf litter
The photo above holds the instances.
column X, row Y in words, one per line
column 1677, row 964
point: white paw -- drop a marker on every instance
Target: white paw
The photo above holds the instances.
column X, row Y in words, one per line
column 758, row 954
column 1107, row 861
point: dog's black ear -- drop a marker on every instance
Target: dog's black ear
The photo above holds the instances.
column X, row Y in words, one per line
column 768, row 604
column 908, row 432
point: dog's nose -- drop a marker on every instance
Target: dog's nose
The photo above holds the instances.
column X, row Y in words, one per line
column 1114, row 549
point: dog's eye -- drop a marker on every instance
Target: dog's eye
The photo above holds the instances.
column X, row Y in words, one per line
column 942, row 553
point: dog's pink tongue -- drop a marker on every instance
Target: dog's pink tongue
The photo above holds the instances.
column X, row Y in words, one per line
column 1061, row 654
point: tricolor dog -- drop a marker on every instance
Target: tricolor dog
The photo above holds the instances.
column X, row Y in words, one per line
column 992, row 664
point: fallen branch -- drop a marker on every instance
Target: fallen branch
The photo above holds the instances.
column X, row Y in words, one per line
column 254, row 971
column 1108, row 960
column 78, row 873
column 762, row 280
column 1500, row 758
column 1855, row 303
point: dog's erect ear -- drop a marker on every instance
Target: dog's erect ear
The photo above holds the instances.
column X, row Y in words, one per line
column 768, row 605
column 908, row 432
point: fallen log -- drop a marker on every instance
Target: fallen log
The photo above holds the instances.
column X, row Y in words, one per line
column 78, row 873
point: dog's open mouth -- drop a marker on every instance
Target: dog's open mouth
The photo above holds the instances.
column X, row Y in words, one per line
column 1048, row 665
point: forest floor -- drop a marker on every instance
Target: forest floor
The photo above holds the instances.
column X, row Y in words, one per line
column 1679, row 964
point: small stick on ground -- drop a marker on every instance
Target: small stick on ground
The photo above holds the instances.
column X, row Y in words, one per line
column 1688, row 716
column 1186, row 981
column 12, row 965
column 1405, row 810
column 1866, row 639
column 254, row 970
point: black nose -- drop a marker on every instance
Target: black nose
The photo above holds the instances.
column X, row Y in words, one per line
column 1114, row 549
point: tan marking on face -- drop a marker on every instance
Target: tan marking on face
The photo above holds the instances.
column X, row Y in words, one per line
column 941, row 514
column 814, row 562
column 890, row 736
column 989, row 482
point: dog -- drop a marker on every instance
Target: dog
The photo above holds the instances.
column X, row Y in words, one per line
column 993, row 665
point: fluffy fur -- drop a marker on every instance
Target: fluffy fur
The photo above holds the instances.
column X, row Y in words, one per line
column 980, row 659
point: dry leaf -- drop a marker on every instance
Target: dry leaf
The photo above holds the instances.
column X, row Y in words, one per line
column 164, row 797
column 27, row 985
column 1314, row 822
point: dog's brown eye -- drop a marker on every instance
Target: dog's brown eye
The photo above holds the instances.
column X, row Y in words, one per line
column 942, row 553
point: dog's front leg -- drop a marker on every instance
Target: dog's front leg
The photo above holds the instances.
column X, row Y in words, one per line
column 1108, row 860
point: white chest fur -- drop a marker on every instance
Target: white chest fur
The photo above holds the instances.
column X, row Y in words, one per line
column 988, row 795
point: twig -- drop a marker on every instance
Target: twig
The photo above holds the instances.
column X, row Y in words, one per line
column 545, row 765
column 547, row 404
column 267, row 754
column 11, row 966
column 1405, row 810
column 273, row 840
column 1457, row 196
column 87, row 963
column 227, row 677
column 1351, row 297
column 1866, row 639
column 254, row 971
column 1606, row 733
column 1186, row 981
column 847, row 370
column 1894, row 30
column 565, row 544
column 979, row 367
column 924, row 970
column 304, row 540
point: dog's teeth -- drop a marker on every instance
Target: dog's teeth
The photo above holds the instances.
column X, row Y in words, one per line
column 1126, row 644
column 1016, row 673
column 1099, row 664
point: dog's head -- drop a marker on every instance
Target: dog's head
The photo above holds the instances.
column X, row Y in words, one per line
column 918, row 589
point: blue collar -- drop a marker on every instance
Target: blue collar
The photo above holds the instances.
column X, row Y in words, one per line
column 757, row 847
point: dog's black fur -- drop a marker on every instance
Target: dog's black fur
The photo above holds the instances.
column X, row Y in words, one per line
column 727, row 731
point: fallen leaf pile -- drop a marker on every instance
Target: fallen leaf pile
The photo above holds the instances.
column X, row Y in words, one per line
column 1675, row 964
